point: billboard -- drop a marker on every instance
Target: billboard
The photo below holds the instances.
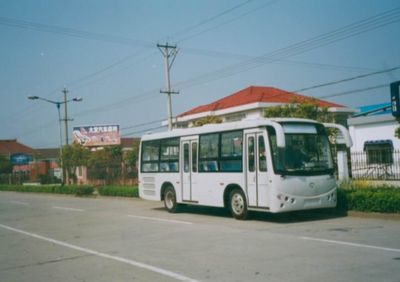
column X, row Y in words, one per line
column 97, row 135
column 20, row 159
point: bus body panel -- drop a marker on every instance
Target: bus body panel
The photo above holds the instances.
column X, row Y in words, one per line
column 150, row 185
column 210, row 187
column 300, row 193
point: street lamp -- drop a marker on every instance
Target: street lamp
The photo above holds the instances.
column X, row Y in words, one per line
column 58, row 104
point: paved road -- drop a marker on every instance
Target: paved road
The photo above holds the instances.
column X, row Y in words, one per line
column 59, row 238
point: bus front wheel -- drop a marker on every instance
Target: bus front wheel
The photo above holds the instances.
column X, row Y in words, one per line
column 238, row 204
column 170, row 200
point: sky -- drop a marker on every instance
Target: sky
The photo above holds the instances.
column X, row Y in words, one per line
column 106, row 52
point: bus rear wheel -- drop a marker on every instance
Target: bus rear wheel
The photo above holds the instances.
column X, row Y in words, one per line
column 170, row 200
column 238, row 204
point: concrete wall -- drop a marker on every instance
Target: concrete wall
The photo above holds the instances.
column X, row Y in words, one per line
column 372, row 128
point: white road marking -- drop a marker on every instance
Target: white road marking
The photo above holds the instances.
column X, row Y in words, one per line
column 160, row 219
column 20, row 203
column 351, row 244
column 68, row 209
column 152, row 268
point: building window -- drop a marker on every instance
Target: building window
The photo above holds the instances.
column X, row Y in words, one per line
column 379, row 151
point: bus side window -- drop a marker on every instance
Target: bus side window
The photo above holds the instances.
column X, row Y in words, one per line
column 250, row 149
column 262, row 160
column 150, row 156
column 208, row 152
column 186, row 157
column 194, row 156
column 169, row 155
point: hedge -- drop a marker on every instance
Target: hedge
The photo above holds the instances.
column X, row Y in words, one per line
column 367, row 196
column 119, row 191
column 382, row 200
column 77, row 190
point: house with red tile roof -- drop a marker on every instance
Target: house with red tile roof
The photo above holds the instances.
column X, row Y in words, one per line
column 21, row 157
column 251, row 102
column 9, row 147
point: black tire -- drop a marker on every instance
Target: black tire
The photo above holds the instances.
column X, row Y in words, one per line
column 238, row 204
column 170, row 200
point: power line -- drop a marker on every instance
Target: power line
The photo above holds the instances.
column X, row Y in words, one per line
column 227, row 71
column 227, row 22
column 12, row 22
column 294, row 49
column 355, row 91
column 212, row 18
column 141, row 131
column 141, row 124
column 347, row 79
column 229, row 55
column 79, row 81
column 339, row 34
column 176, row 34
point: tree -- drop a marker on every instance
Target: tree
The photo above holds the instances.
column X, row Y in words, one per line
column 73, row 156
column 131, row 159
column 305, row 108
column 5, row 165
column 105, row 164
column 397, row 130
column 208, row 119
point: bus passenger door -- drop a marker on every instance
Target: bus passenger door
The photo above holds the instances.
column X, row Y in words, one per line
column 189, row 166
column 256, row 170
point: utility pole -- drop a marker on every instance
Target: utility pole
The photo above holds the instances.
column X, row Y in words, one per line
column 169, row 52
column 65, row 91
column 58, row 104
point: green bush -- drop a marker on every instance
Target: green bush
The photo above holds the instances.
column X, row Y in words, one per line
column 56, row 189
column 382, row 199
column 119, row 191
column 78, row 190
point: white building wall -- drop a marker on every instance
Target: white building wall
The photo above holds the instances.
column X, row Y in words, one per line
column 372, row 128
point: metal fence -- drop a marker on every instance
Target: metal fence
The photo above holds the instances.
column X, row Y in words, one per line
column 376, row 165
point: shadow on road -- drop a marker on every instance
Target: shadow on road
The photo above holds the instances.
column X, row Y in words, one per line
column 298, row 216
column 283, row 218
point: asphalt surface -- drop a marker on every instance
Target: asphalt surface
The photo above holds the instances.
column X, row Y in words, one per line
column 62, row 238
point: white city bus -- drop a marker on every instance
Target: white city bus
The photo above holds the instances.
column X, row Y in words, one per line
column 273, row 165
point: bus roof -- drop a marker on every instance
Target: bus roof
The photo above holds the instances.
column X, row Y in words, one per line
column 227, row 126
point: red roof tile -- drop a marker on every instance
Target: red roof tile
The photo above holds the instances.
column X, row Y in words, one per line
column 8, row 147
column 254, row 94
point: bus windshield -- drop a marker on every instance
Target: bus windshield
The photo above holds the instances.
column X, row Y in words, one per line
column 307, row 150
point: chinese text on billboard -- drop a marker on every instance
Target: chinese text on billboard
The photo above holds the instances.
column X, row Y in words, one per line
column 97, row 135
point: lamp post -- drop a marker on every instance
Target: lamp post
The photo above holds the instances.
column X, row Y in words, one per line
column 58, row 104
